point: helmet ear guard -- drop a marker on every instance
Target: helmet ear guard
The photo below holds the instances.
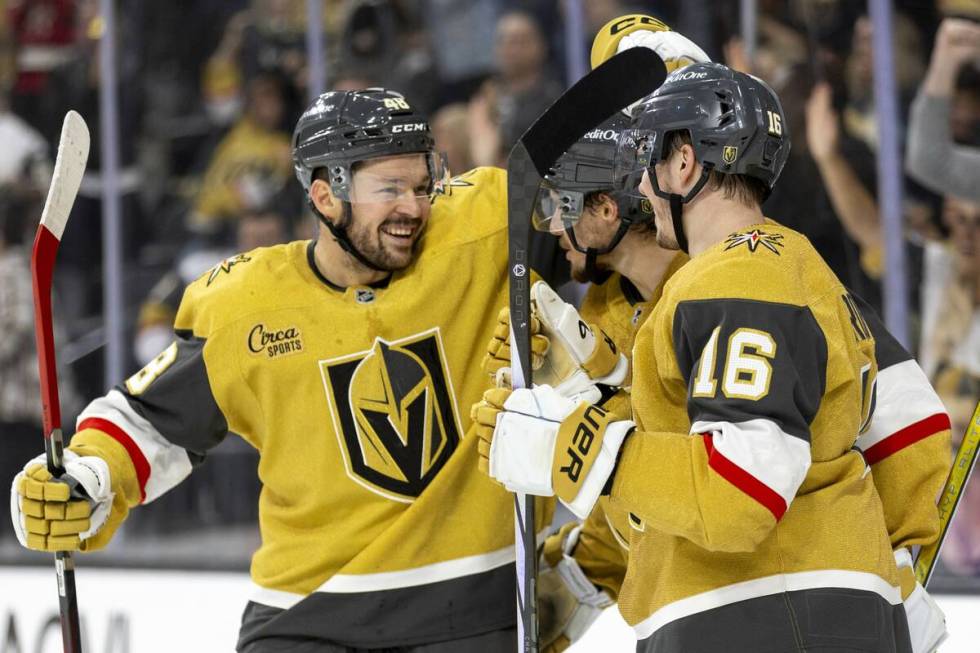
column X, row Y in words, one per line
column 343, row 128
column 736, row 126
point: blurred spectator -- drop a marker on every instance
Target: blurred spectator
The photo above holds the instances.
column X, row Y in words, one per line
column 45, row 32
column 24, row 158
column 20, row 404
column 853, row 203
column 260, row 228
column 942, row 155
column 523, row 87
column 817, row 217
column 387, row 42
column 251, row 164
column 222, row 79
column 352, row 78
column 461, row 36
column 950, row 353
column 519, row 92
column 76, row 85
column 450, row 129
column 859, row 113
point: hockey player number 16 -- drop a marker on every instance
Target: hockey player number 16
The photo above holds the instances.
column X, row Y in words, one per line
column 747, row 373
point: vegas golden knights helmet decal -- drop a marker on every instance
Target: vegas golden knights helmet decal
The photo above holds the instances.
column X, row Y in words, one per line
column 394, row 413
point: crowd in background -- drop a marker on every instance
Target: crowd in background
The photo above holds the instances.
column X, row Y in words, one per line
column 209, row 91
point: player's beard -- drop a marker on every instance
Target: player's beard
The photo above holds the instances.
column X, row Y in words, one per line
column 370, row 242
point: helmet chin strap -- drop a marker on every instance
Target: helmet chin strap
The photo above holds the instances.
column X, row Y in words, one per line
column 592, row 271
column 677, row 203
column 340, row 235
column 677, row 217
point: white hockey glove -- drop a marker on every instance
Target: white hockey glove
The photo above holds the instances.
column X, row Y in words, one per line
column 538, row 442
column 641, row 30
column 568, row 602
column 573, row 357
column 48, row 515
column 581, row 356
column 674, row 48
column 927, row 623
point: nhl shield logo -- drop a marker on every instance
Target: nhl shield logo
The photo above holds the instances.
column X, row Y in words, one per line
column 394, row 414
column 729, row 153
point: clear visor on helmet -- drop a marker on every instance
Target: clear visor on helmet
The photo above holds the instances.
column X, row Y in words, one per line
column 636, row 150
column 555, row 209
column 390, row 179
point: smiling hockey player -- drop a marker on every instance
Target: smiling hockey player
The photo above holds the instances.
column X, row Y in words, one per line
column 349, row 362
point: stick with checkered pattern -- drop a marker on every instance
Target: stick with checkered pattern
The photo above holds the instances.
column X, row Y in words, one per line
column 617, row 83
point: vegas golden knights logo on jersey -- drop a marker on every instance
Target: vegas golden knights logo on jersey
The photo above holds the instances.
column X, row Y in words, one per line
column 394, row 413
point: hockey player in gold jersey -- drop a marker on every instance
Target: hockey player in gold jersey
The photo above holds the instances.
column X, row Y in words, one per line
column 602, row 231
column 905, row 444
column 350, row 363
column 757, row 526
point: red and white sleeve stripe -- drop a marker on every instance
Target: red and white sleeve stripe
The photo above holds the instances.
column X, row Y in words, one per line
column 160, row 465
column 759, row 458
column 907, row 410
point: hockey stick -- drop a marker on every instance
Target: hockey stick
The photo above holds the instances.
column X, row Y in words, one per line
column 619, row 82
column 68, row 170
column 959, row 475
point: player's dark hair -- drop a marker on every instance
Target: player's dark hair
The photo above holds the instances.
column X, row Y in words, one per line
column 593, row 200
column 741, row 188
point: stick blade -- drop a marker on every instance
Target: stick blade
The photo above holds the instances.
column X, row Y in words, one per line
column 617, row 83
column 68, row 170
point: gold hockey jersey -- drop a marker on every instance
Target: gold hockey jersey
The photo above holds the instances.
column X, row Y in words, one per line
column 907, row 444
column 377, row 528
column 618, row 308
column 753, row 379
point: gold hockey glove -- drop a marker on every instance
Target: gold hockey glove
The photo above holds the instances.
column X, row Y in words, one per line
column 496, row 363
column 82, row 510
column 568, row 602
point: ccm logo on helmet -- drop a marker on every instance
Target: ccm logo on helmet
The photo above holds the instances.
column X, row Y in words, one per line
column 629, row 21
column 408, row 127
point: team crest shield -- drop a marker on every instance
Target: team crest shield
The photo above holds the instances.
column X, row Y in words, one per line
column 729, row 153
column 394, row 414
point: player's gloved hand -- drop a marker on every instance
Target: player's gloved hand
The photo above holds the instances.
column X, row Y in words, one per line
column 927, row 623
column 639, row 30
column 548, row 445
column 63, row 514
column 582, row 361
column 484, row 415
column 568, row 603
column 577, row 359
column 498, row 349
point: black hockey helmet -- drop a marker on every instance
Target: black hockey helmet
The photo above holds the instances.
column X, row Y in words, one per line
column 735, row 121
column 342, row 128
column 588, row 167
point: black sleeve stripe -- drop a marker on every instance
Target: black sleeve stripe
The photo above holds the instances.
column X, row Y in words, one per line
column 179, row 403
column 888, row 351
column 789, row 393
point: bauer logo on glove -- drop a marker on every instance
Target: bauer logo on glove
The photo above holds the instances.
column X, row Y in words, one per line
column 537, row 441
